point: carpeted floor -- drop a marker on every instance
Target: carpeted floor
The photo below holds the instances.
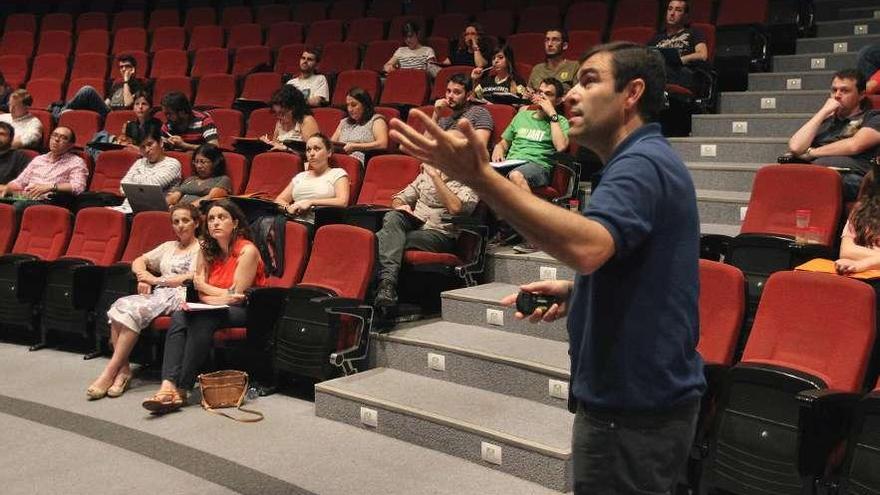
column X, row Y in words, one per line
column 52, row 440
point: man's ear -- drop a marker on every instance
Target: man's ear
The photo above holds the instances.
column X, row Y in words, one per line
column 564, row 46
column 634, row 91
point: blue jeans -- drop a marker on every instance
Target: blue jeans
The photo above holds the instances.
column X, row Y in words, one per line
column 87, row 98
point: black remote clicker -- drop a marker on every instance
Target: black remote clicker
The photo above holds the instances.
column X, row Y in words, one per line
column 528, row 302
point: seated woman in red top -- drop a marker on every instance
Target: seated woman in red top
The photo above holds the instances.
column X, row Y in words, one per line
column 229, row 264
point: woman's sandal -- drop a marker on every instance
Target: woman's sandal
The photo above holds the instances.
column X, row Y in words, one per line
column 116, row 391
column 164, row 401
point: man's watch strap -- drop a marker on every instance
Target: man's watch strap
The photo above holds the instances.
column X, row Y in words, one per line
column 554, row 117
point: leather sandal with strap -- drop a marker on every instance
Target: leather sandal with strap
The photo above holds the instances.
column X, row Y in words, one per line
column 164, row 401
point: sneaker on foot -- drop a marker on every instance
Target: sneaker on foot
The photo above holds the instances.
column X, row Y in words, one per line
column 386, row 294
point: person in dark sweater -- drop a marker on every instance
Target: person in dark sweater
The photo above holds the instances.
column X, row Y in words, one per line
column 12, row 162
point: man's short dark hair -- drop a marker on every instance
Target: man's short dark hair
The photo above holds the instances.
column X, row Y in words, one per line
column 631, row 61
column 557, row 85
column 561, row 30
column 314, row 50
column 855, row 75
column 176, row 102
column 127, row 59
column 462, row 80
column 687, row 5
column 9, row 129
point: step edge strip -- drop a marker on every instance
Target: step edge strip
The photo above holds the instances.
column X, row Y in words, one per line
column 446, row 421
column 496, row 358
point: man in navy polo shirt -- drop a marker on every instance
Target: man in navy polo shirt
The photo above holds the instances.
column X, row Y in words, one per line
column 633, row 318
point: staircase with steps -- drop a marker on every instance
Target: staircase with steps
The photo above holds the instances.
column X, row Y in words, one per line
column 480, row 385
column 752, row 127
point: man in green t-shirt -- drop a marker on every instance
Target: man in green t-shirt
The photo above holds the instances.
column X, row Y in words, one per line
column 535, row 136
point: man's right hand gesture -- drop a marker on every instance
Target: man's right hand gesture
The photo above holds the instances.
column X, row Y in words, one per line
column 558, row 288
column 830, row 107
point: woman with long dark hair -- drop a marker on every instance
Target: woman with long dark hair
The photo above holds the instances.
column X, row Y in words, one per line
column 229, row 264
column 472, row 47
column 207, row 180
column 500, row 77
column 860, row 242
column 362, row 129
column 294, row 121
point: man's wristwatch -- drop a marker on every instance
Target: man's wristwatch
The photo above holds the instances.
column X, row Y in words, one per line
column 554, row 117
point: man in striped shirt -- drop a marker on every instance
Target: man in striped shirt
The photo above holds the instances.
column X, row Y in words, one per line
column 59, row 170
column 186, row 129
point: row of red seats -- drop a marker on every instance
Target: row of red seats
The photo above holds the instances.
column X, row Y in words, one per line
column 218, row 93
column 60, row 255
column 499, row 17
column 797, row 382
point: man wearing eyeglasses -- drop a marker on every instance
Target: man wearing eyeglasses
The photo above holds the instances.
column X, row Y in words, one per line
column 59, row 170
column 121, row 94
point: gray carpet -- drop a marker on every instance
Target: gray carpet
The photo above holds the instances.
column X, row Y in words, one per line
column 55, row 441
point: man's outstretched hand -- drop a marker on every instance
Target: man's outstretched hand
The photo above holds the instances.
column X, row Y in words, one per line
column 460, row 155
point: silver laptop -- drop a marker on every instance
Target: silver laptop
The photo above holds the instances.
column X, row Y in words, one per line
column 145, row 197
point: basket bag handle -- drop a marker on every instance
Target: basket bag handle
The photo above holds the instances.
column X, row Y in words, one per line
column 224, row 389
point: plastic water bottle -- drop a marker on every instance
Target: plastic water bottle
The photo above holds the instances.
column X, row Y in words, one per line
column 252, row 393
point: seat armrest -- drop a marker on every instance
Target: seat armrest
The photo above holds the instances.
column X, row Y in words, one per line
column 714, row 246
column 774, row 376
column 88, row 281
column 328, row 215
column 363, row 313
column 264, row 307
column 824, row 420
column 31, row 278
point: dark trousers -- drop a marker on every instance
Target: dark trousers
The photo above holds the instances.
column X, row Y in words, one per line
column 631, row 453
column 87, row 98
column 399, row 233
column 189, row 340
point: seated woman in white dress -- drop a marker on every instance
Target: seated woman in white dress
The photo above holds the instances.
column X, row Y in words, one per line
column 362, row 129
column 319, row 185
column 154, row 167
column 174, row 262
column 293, row 116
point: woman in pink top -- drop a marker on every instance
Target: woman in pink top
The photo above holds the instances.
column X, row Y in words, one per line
column 860, row 242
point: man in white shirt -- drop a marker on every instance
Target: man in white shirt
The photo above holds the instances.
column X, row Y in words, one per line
column 312, row 85
column 28, row 128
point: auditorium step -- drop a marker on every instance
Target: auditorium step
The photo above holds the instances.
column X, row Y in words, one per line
column 814, row 61
column 478, row 305
column 501, row 362
column 730, row 149
column 791, row 81
column 859, row 13
column 772, row 102
column 507, row 266
column 848, row 27
column 526, row 439
column 761, row 125
column 827, row 10
column 724, row 207
column 723, row 176
column 836, row 44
